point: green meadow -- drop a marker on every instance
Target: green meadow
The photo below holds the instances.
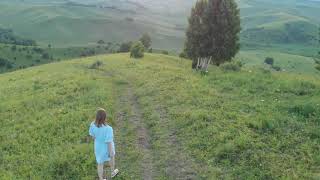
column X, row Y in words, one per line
column 170, row 122
column 287, row 62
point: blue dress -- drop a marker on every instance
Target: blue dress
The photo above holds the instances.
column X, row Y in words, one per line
column 102, row 136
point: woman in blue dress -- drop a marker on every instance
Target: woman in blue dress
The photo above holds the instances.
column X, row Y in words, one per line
column 104, row 148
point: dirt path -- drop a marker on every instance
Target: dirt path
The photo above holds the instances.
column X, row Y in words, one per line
column 135, row 118
column 169, row 160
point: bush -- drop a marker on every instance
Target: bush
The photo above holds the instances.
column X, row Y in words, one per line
column 101, row 42
column 318, row 67
column 45, row 55
column 37, row 50
column 269, row 61
column 183, row 55
column 165, row 52
column 125, row 47
column 96, row 65
column 137, row 50
column 231, row 66
column 6, row 63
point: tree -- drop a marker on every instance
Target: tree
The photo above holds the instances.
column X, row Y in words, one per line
column 125, row 47
column 101, row 41
column 146, row 40
column 45, row 55
column 137, row 50
column 182, row 55
column 269, row 61
column 195, row 32
column 213, row 32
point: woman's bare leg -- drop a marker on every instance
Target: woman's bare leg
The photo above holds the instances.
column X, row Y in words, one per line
column 100, row 171
column 112, row 163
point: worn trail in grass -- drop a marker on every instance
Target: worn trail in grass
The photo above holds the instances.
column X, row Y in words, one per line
column 160, row 154
column 129, row 117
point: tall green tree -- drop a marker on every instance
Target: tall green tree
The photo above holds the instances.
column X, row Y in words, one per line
column 125, row 47
column 214, row 27
column 137, row 50
column 146, row 40
column 194, row 45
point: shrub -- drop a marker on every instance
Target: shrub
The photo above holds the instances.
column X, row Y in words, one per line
column 37, row 50
column 137, row 50
column 96, row 65
column 231, row 66
column 9, row 65
column 6, row 63
column 45, row 55
column 165, row 52
column 183, row 55
column 125, row 47
column 318, row 67
column 269, row 61
column 101, row 42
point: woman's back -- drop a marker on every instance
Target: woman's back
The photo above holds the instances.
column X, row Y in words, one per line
column 103, row 134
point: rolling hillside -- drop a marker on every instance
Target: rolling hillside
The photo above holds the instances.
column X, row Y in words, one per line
column 170, row 122
column 78, row 23
column 287, row 62
column 13, row 57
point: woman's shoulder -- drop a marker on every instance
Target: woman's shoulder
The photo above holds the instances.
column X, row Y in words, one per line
column 92, row 124
column 108, row 127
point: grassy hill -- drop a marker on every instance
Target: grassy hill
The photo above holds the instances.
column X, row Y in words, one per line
column 64, row 24
column 170, row 122
column 287, row 62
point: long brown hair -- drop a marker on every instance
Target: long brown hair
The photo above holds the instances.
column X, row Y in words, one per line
column 101, row 117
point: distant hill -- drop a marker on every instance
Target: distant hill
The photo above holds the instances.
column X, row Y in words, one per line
column 83, row 22
column 76, row 23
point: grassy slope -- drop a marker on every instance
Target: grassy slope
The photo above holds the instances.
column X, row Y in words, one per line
column 25, row 56
column 237, row 125
column 288, row 62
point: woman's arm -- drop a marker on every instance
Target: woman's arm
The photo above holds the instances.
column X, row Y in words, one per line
column 110, row 149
